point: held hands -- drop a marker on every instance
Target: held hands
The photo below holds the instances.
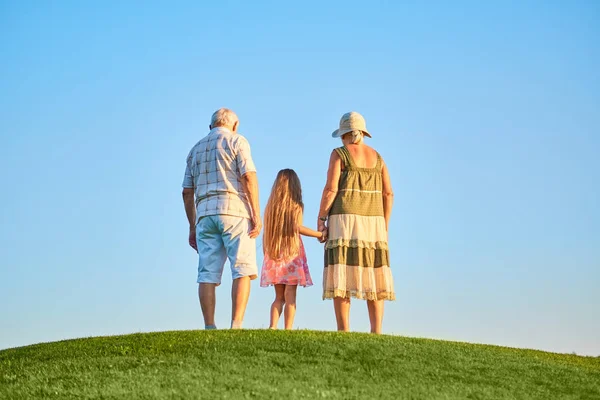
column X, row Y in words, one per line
column 321, row 227
column 323, row 237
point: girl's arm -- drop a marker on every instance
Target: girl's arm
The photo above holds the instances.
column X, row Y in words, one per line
column 309, row 232
column 331, row 187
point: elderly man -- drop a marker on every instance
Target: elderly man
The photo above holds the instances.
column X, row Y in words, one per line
column 225, row 216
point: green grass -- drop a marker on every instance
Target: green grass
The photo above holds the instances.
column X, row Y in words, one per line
column 289, row 365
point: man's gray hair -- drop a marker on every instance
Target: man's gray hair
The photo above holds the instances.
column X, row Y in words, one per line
column 223, row 117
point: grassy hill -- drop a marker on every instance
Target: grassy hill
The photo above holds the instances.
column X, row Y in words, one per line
column 291, row 365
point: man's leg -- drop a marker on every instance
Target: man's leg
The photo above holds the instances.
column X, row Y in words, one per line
column 211, row 260
column 206, row 294
column 240, row 291
column 241, row 251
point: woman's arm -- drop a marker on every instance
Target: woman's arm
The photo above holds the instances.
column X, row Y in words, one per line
column 331, row 188
column 388, row 196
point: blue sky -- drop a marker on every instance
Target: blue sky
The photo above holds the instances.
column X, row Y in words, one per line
column 486, row 114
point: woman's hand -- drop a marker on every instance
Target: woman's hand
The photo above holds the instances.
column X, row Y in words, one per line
column 321, row 225
column 324, row 234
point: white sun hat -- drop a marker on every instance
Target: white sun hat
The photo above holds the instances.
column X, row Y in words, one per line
column 351, row 121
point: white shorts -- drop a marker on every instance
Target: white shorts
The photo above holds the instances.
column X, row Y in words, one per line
column 222, row 237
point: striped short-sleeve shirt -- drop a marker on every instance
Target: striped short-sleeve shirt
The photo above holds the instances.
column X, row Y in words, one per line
column 215, row 167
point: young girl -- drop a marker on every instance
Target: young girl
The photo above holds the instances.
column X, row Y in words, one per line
column 284, row 264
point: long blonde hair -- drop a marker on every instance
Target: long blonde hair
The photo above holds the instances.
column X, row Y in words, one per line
column 282, row 216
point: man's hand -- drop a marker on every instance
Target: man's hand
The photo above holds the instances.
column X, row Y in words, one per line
column 190, row 212
column 250, row 184
column 192, row 238
column 256, row 227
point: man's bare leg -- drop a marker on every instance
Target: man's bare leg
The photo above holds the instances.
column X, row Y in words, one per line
column 240, row 290
column 206, row 294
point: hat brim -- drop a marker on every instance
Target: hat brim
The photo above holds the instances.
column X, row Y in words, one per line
column 337, row 133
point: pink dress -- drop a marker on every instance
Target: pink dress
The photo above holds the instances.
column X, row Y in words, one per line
column 286, row 272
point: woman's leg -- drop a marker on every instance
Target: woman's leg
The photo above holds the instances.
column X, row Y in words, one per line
column 341, row 306
column 277, row 305
column 375, row 315
column 290, row 305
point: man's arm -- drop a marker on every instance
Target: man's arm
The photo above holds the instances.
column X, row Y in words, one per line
column 250, row 184
column 189, row 203
column 247, row 170
column 190, row 211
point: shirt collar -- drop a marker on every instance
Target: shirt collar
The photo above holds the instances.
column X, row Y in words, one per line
column 219, row 129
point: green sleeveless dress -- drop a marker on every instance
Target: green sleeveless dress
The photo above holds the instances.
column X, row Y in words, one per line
column 356, row 252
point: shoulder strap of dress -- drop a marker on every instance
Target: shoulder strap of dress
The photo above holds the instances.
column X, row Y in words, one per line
column 345, row 156
column 379, row 165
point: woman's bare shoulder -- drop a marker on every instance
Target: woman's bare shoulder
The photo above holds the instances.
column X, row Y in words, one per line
column 370, row 151
column 335, row 153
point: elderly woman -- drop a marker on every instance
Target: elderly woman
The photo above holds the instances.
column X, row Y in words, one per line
column 355, row 209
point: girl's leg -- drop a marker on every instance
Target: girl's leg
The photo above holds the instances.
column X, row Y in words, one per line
column 375, row 315
column 290, row 305
column 341, row 306
column 277, row 305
